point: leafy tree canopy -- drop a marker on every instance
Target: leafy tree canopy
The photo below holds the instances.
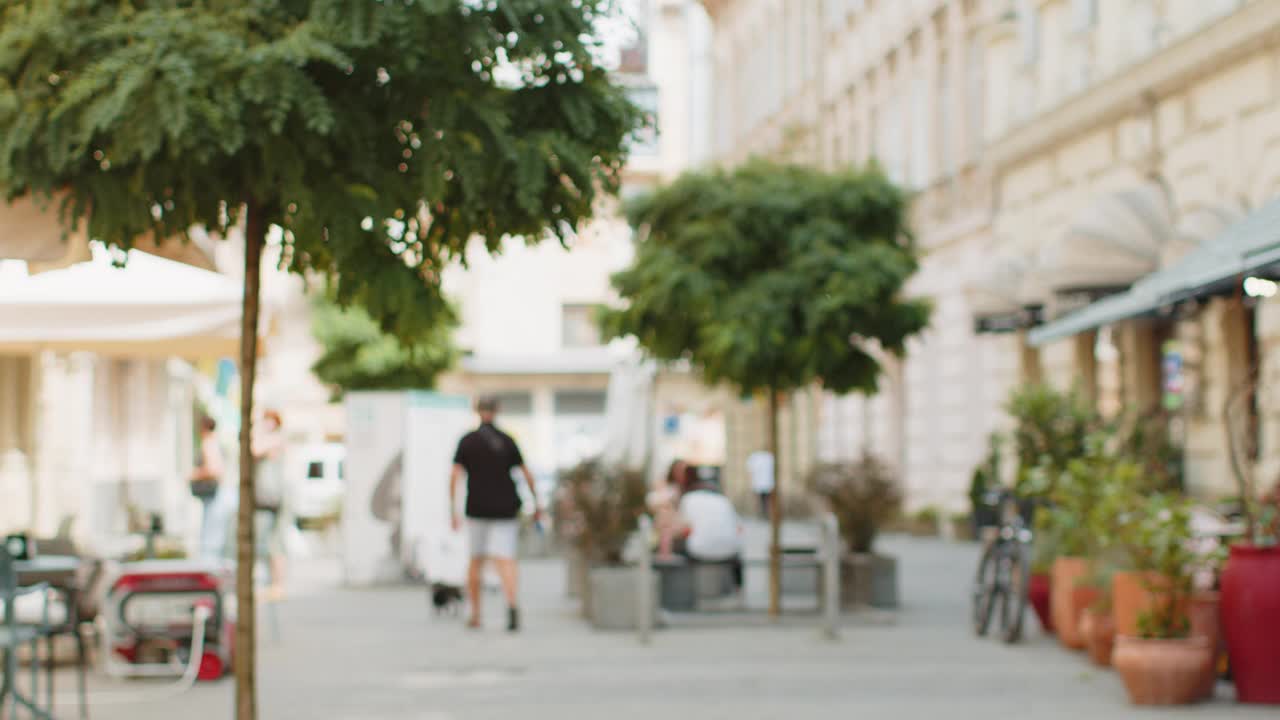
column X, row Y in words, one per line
column 379, row 135
column 771, row 276
column 358, row 355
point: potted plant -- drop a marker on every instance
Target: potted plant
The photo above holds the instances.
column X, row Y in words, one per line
column 1096, row 625
column 1205, row 611
column 566, row 523
column 1250, row 598
column 1144, row 438
column 606, row 506
column 864, row 496
column 1164, row 664
column 1050, row 430
column 1066, row 521
column 1117, row 479
column 1040, row 584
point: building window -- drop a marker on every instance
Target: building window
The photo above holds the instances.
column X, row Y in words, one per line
column 890, row 141
column 578, row 326
column 1145, row 27
column 579, row 402
column 1084, row 15
column 514, row 403
column 975, row 96
column 919, row 133
column 854, row 146
column 644, row 141
column 1029, row 30
column 946, row 104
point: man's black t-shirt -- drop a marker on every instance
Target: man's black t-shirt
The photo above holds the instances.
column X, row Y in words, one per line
column 489, row 455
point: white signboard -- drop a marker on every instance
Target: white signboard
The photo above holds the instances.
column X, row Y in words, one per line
column 371, row 511
column 431, row 548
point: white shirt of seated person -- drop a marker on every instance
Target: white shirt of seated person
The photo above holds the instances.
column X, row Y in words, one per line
column 715, row 530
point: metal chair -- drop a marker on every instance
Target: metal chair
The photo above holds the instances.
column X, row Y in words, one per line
column 13, row 636
column 75, row 608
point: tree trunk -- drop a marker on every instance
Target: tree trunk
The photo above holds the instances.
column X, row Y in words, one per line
column 246, row 619
column 775, row 513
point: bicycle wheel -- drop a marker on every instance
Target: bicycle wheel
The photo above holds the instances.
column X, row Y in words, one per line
column 985, row 587
column 1016, row 578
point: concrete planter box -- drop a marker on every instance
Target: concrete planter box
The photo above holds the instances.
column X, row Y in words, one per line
column 868, row 580
column 613, row 597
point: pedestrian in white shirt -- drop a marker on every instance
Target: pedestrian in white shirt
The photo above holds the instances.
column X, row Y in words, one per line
column 760, row 468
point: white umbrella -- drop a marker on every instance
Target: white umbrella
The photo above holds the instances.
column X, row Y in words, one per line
column 149, row 306
column 628, row 414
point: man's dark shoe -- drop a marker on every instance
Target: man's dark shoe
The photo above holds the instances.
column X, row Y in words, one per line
column 513, row 620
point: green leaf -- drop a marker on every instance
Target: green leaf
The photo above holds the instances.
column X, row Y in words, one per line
column 321, row 113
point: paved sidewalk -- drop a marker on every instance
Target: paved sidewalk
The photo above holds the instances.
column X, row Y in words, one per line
column 379, row 654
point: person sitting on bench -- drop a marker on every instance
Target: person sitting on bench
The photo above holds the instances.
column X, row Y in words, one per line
column 662, row 501
column 711, row 530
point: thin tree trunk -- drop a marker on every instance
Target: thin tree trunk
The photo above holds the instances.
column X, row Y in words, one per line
column 246, row 620
column 775, row 513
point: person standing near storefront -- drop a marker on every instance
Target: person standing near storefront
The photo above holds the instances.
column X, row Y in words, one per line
column 206, row 486
column 760, row 468
column 487, row 457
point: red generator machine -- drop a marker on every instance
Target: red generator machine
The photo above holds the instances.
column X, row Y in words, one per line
column 169, row 618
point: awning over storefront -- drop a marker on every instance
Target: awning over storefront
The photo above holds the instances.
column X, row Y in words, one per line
column 30, row 230
column 1249, row 247
column 148, row 307
column 1116, row 239
column 1198, row 227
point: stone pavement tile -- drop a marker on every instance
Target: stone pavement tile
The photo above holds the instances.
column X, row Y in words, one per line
column 381, row 654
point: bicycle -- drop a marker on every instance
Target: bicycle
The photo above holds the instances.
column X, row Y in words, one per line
column 1004, row 572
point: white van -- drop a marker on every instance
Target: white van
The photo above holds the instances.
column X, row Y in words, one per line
column 318, row 483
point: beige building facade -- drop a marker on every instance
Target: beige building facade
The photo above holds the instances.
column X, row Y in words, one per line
column 1060, row 151
column 528, row 326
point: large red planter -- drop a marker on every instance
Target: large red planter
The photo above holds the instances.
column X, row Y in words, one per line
column 1038, row 592
column 1251, row 621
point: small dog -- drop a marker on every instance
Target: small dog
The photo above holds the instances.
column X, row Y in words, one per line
column 446, row 598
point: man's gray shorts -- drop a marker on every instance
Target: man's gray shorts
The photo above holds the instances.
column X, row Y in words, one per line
column 493, row 538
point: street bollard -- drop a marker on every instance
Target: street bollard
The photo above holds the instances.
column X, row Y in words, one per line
column 831, row 576
column 644, row 581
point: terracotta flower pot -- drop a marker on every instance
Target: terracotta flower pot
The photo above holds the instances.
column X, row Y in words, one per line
column 1082, row 598
column 1130, row 597
column 1067, row 573
column 1162, row 672
column 1251, row 621
column 1099, row 636
column 1206, row 623
column 1038, row 592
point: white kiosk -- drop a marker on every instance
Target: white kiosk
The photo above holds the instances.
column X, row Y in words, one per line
column 395, row 516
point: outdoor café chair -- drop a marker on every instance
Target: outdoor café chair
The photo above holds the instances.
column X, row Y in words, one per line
column 14, row 635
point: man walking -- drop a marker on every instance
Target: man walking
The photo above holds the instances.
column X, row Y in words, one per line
column 487, row 456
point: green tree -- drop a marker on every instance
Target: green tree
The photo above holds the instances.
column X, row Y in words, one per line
column 772, row 277
column 379, row 137
column 357, row 354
